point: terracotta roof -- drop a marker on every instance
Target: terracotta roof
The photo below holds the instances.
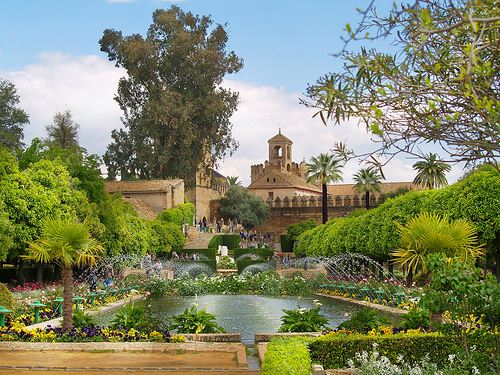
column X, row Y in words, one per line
column 139, row 186
column 279, row 138
column 283, row 180
column 143, row 210
column 385, row 187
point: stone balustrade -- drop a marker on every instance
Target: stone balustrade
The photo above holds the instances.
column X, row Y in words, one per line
column 315, row 201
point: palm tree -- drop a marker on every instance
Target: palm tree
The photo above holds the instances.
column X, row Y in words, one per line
column 67, row 244
column 367, row 181
column 431, row 172
column 324, row 169
column 233, row 181
column 64, row 132
column 429, row 233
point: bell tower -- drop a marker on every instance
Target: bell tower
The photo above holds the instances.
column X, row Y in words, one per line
column 280, row 152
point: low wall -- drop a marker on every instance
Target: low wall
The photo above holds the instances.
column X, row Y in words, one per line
column 213, row 337
column 266, row 337
column 386, row 309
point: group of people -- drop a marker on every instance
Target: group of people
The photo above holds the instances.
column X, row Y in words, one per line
column 184, row 256
column 151, row 265
column 219, row 225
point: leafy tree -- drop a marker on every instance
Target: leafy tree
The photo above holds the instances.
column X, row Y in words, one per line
column 430, row 233
column 63, row 132
column 367, row 181
column 439, row 84
column 431, row 172
column 174, row 107
column 324, row 169
column 248, row 209
column 67, row 244
column 233, row 181
column 12, row 118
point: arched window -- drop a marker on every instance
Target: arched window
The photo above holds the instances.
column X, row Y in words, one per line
column 288, row 167
column 278, row 152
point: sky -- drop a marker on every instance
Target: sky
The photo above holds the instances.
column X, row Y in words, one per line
column 49, row 49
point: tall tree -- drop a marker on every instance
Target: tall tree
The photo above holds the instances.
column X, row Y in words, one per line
column 12, row 118
column 63, row 132
column 431, row 172
column 241, row 205
column 367, row 181
column 174, row 107
column 233, row 181
column 439, row 83
column 324, row 169
column 67, row 244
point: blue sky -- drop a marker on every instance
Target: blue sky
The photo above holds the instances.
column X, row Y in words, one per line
column 50, row 50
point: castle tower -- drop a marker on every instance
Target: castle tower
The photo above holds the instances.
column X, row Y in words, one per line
column 280, row 152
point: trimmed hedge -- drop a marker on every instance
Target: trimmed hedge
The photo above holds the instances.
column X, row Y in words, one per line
column 286, row 243
column 287, row 356
column 335, row 351
column 232, row 241
column 209, row 253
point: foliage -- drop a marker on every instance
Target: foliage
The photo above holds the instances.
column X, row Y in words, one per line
column 226, row 262
column 428, row 233
column 166, row 237
column 323, row 170
column 6, row 299
column 81, row 319
column 182, row 214
column 416, row 318
column 248, row 209
column 175, row 110
column 233, row 181
column 374, row 233
column 395, row 193
column 431, row 172
column 363, row 321
column 335, row 351
column 129, row 316
column 232, row 241
column 286, row 243
column 367, row 181
column 304, row 320
column 12, row 118
column 295, row 230
column 196, row 321
column 439, row 84
column 287, row 356
column 63, row 132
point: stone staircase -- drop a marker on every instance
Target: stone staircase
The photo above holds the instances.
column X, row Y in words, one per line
column 198, row 240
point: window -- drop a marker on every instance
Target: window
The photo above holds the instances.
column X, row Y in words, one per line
column 278, row 152
column 288, row 167
column 270, row 195
column 274, row 180
column 267, row 180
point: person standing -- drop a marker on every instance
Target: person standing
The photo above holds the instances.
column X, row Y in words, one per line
column 204, row 224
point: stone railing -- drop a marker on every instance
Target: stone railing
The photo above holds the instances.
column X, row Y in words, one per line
column 315, row 201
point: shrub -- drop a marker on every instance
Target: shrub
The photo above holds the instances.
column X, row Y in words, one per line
column 363, row 321
column 286, row 243
column 129, row 316
column 416, row 318
column 182, row 214
column 303, row 320
column 335, row 351
column 287, row 356
column 232, row 241
column 196, row 321
column 81, row 319
column 6, row 299
column 225, row 263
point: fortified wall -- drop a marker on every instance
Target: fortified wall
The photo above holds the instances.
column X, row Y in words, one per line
column 290, row 210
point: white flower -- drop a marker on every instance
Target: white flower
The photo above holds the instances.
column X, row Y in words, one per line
column 451, row 358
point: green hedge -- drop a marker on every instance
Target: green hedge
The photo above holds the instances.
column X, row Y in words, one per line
column 182, row 214
column 209, row 253
column 232, row 241
column 244, row 263
column 287, row 356
column 263, row 253
column 286, row 243
column 335, row 351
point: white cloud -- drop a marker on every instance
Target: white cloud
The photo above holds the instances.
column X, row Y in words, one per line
column 87, row 84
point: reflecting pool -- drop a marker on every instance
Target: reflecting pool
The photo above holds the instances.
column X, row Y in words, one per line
column 246, row 314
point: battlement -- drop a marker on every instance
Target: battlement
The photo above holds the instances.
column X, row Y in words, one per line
column 315, row 201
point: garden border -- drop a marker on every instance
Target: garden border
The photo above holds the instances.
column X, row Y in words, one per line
column 376, row 306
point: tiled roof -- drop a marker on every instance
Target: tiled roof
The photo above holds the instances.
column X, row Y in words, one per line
column 140, row 186
column 280, row 138
column 385, row 187
column 143, row 210
column 283, row 180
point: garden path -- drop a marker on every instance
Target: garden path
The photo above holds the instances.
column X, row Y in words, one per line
column 200, row 241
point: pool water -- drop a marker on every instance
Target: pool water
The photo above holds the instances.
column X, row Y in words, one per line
column 245, row 314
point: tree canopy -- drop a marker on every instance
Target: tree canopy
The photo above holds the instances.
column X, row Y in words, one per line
column 440, row 84
column 248, row 209
column 63, row 132
column 12, row 118
column 175, row 110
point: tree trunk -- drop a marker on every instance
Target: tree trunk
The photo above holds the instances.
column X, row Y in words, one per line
column 20, row 272
column 367, row 200
column 67, row 275
column 409, row 278
column 324, row 203
column 39, row 273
